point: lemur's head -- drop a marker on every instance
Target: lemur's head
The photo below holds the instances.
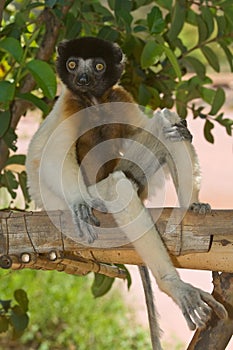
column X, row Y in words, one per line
column 89, row 65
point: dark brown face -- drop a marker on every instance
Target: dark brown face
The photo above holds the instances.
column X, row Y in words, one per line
column 86, row 75
column 89, row 65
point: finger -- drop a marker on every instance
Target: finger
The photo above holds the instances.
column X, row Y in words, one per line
column 198, row 317
column 84, row 220
column 203, row 315
column 218, row 308
column 93, row 235
column 99, row 205
column 200, row 208
column 87, row 215
column 187, row 317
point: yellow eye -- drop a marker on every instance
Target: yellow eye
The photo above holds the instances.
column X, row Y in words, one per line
column 99, row 67
column 71, row 64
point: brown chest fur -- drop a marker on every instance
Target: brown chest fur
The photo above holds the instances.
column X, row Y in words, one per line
column 96, row 163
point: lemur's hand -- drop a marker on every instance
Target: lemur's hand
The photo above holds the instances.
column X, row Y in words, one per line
column 178, row 132
column 85, row 220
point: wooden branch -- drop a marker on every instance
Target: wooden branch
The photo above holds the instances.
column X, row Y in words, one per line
column 193, row 241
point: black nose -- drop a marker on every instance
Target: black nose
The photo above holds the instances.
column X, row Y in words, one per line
column 83, row 79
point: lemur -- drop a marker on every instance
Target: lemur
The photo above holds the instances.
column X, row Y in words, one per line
column 63, row 166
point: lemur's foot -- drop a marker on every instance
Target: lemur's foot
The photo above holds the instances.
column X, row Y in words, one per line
column 200, row 208
column 178, row 132
column 86, row 221
column 197, row 305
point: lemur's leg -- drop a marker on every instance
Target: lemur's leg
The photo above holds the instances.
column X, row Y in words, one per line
column 134, row 220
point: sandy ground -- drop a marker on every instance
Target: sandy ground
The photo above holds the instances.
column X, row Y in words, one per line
column 217, row 189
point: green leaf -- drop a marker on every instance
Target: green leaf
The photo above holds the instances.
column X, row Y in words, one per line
column 111, row 4
column 22, row 299
column 50, row 3
column 151, row 52
column 211, row 57
column 140, row 28
column 191, row 17
column 208, row 19
column 226, row 122
column 10, row 138
column 155, row 98
column 215, row 98
column 177, row 20
column 123, row 5
column 218, row 101
column 13, row 47
column 5, row 119
column 23, row 185
column 44, row 76
column 173, row 60
column 228, row 15
column 167, row 4
column 228, row 53
column 7, row 91
column 202, row 30
column 19, row 319
column 102, row 10
column 73, row 26
column 181, row 101
column 128, row 278
column 8, row 180
column 226, row 4
column 155, row 21
column 122, row 12
column 207, row 94
column 197, row 65
column 207, row 131
column 144, row 95
column 16, row 159
column 38, row 102
column 4, row 323
column 107, row 33
column 221, row 23
column 101, row 285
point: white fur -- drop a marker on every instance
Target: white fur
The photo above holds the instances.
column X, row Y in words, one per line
column 51, row 163
column 182, row 161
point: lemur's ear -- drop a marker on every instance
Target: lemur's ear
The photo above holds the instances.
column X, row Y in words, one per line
column 62, row 47
column 118, row 54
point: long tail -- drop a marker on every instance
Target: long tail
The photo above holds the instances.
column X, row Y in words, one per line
column 151, row 310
